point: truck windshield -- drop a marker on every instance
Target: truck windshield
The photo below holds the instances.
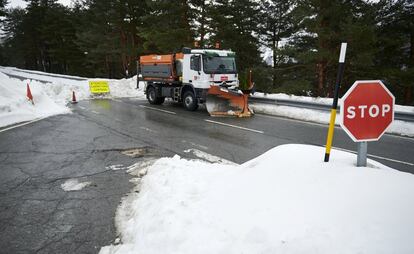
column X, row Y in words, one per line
column 219, row 64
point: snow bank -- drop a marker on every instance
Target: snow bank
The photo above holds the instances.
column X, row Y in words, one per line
column 285, row 201
column 14, row 106
column 50, row 98
column 321, row 100
column 317, row 116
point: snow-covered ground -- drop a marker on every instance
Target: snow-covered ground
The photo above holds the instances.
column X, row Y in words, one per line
column 397, row 127
column 285, row 201
column 51, row 97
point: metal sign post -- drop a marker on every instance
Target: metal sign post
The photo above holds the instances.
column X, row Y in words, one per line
column 362, row 154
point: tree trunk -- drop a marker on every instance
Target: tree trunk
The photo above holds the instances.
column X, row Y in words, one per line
column 275, row 45
column 408, row 92
column 321, row 70
column 202, row 23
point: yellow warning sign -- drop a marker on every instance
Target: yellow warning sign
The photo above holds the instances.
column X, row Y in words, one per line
column 98, row 86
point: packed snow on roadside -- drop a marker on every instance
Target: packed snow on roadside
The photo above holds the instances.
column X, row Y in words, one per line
column 397, row 127
column 321, row 100
column 284, row 201
column 50, row 98
column 317, row 116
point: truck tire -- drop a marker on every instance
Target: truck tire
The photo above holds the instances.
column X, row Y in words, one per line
column 153, row 98
column 190, row 101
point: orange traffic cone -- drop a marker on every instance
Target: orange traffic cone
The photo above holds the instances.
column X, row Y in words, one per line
column 29, row 94
column 73, row 98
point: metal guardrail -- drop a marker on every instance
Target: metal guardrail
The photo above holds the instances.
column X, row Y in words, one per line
column 402, row 116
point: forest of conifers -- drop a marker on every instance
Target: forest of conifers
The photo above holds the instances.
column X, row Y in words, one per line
column 300, row 38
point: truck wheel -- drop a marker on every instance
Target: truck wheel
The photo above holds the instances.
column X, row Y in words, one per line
column 153, row 98
column 190, row 101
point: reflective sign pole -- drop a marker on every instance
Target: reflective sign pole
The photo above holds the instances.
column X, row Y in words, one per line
column 335, row 101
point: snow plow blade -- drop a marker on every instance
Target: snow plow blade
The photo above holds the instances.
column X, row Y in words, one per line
column 226, row 102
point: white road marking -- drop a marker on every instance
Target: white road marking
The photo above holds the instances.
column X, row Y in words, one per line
column 209, row 157
column 23, row 124
column 376, row 156
column 81, row 107
column 234, row 126
column 95, row 112
column 157, row 109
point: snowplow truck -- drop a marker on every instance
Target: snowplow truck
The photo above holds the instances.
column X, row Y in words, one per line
column 193, row 77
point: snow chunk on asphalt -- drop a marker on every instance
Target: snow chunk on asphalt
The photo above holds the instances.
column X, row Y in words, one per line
column 74, row 185
column 285, row 201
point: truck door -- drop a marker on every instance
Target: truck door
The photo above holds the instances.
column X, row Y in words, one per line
column 193, row 71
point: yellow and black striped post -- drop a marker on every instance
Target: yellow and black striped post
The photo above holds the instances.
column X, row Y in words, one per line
column 335, row 101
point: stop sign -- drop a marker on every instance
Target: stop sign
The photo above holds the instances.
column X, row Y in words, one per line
column 367, row 109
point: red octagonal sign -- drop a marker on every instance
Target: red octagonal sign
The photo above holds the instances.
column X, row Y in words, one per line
column 367, row 109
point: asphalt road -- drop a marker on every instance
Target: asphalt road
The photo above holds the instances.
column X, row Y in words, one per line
column 38, row 216
column 171, row 127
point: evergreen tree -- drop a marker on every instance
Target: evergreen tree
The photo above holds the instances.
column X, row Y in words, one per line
column 324, row 25
column 167, row 26
column 276, row 25
column 13, row 50
column 110, row 35
column 3, row 4
column 395, row 58
column 199, row 20
column 234, row 24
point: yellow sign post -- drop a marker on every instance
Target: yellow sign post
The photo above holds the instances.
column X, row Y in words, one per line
column 98, row 86
column 329, row 137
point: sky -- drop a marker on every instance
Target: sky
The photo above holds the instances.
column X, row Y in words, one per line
column 21, row 3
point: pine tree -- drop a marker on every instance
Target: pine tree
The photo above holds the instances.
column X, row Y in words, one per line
column 3, row 4
column 199, row 20
column 324, row 25
column 110, row 35
column 395, row 59
column 276, row 25
column 234, row 24
column 167, row 26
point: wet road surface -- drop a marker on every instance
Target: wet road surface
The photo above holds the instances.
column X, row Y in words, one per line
column 38, row 216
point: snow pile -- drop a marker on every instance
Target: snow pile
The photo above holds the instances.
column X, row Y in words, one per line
column 317, row 116
column 285, row 201
column 126, row 88
column 321, row 100
column 14, row 106
column 50, row 98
